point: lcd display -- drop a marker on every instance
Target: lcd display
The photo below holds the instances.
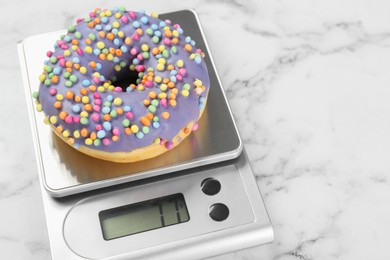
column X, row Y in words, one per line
column 143, row 216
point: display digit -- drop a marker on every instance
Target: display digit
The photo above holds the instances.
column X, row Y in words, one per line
column 161, row 214
column 177, row 211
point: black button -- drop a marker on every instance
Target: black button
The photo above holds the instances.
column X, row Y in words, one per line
column 219, row 212
column 210, row 186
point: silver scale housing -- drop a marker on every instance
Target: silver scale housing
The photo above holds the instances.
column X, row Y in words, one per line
column 76, row 187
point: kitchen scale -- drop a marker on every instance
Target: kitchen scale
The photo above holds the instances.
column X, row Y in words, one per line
column 197, row 200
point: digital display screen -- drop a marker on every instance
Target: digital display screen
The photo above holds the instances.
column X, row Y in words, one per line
column 143, row 216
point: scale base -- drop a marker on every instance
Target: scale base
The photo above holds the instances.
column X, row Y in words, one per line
column 247, row 225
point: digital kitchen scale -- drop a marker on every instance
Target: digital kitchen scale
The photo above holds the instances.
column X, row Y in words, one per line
column 195, row 201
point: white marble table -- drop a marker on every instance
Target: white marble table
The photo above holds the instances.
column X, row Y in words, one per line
column 309, row 85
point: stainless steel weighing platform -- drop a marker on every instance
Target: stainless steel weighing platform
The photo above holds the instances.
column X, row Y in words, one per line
column 195, row 201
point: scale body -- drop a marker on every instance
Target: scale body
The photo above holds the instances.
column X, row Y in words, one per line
column 195, row 201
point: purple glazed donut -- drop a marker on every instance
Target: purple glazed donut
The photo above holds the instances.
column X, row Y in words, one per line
column 86, row 101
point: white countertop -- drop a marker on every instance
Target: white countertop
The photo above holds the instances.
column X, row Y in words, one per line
column 309, row 86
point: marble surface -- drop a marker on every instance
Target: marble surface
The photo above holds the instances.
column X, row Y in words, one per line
column 309, row 85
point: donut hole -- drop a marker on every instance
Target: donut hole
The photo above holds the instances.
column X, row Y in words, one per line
column 124, row 79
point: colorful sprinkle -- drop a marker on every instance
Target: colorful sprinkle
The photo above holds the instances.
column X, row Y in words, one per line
column 100, row 45
column 117, row 101
column 165, row 115
column 134, row 128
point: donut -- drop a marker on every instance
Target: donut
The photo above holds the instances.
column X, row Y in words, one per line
column 123, row 86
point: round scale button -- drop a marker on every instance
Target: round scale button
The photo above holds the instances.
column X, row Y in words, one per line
column 210, row 186
column 219, row 212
